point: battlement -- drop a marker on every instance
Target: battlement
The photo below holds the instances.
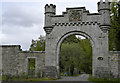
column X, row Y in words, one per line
column 50, row 6
column 103, row 5
column 80, row 15
column 50, row 9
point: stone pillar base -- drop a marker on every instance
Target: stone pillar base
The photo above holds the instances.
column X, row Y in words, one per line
column 49, row 71
column 102, row 72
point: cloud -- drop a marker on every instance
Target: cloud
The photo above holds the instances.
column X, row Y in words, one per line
column 23, row 21
column 22, row 16
column 21, row 36
column 51, row 0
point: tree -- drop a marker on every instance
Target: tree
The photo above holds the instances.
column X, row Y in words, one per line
column 114, row 34
column 72, row 39
column 76, row 54
column 38, row 45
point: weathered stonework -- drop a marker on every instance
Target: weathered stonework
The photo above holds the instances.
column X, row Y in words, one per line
column 93, row 26
column 114, row 62
column 23, row 62
column 78, row 21
column 15, row 61
column 9, row 59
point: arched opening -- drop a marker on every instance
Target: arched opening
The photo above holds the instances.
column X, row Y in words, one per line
column 74, row 54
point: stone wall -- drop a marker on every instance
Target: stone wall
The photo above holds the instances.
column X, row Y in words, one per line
column 114, row 62
column 23, row 62
column 15, row 61
column 9, row 59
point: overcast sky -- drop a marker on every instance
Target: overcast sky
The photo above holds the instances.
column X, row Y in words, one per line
column 23, row 20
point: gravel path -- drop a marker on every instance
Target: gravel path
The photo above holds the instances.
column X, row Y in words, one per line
column 83, row 77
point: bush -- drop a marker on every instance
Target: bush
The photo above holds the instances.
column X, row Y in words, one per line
column 4, row 78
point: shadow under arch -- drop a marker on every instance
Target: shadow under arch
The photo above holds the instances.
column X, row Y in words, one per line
column 67, row 35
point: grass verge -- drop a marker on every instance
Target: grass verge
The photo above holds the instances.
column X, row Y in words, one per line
column 4, row 78
column 104, row 80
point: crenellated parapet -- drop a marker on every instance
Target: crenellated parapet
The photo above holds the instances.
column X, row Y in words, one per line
column 78, row 16
column 104, row 10
column 103, row 5
column 50, row 10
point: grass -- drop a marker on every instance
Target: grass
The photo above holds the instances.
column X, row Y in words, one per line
column 40, row 79
column 5, row 78
column 104, row 80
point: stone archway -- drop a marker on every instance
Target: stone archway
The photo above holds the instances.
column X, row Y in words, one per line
column 94, row 26
column 67, row 35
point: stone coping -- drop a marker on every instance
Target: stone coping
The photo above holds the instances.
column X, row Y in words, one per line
column 114, row 52
column 10, row 46
column 32, row 52
column 93, row 14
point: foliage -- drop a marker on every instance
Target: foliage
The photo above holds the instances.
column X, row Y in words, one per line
column 31, row 67
column 76, row 54
column 38, row 45
column 114, row 33
column 72, row 39
column 31, row 64
column 104, row 80
column 4, row 78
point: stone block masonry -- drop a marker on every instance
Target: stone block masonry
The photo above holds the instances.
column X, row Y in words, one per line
column 78, row 21
column 9, row 59
column 23, row 65
column 75, row 21
column 15, row 61
column 114, row 62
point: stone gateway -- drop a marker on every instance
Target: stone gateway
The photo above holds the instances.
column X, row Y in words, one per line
column 75, row 21
column 78, row 21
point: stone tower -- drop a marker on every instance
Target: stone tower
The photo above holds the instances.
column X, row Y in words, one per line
column 104, row 10
column 50, row 10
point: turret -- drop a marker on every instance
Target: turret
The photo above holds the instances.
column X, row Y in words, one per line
column 104, row 10
column 50, row 10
